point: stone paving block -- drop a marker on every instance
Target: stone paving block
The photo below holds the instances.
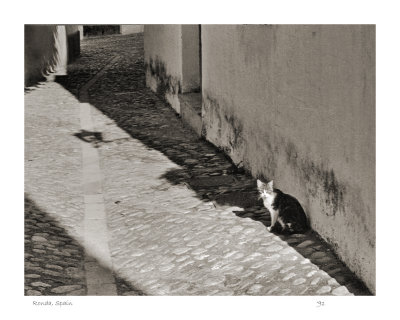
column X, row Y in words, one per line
column 102, row 290
column 94, row 187
column 93, row 199
column 96, row 274
column 95, row 211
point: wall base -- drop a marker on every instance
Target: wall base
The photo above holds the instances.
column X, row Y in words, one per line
column 190, row 104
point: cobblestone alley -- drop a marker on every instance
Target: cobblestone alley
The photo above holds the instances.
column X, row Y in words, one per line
column 122, row 199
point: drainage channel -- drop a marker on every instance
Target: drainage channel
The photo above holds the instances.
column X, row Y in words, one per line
column 98, row 264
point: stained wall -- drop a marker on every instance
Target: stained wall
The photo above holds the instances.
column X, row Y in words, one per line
column 45, row 49
column 131, row 28
column 296, row 104
column 163, row 61
column 172, row 60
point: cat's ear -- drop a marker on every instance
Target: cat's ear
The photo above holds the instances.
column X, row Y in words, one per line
column 260, row 185
column 270, row 185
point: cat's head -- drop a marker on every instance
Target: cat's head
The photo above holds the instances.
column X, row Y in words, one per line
column 266, row 189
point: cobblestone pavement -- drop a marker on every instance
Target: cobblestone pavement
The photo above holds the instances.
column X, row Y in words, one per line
column 53, row 204
column 181, row 219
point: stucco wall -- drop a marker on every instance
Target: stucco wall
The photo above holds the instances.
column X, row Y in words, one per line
column 172, row 60
column 80, row 29
column 131, row 28
column 39, row 52
column 48, row 48
column 190, row 58
column 297, row 104
column 74, row 41
column 163, row 61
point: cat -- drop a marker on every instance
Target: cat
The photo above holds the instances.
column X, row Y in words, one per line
column 287, row 215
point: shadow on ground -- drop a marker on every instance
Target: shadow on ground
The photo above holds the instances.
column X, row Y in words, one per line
column 54, row 261
column 35, row 85
column 121, row 95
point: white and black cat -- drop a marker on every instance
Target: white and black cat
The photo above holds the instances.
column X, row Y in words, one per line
column 287, row 215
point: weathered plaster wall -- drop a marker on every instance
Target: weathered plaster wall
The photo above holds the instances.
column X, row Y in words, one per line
column 131, row 28
column 74, row 41
column 40, row 52
column 297, row 104
column 172, row 60
column 163, row 61
column 48, row 48
column 80, row 28
column 190, row 58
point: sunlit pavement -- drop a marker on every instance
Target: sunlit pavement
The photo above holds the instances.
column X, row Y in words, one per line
column 123, row 199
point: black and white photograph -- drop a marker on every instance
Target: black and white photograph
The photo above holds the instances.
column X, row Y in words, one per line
column 200, row 159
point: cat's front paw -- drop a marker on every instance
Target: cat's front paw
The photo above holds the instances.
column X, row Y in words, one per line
column 269, row 228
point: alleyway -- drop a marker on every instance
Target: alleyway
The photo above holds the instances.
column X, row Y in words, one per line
column 122, row 199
